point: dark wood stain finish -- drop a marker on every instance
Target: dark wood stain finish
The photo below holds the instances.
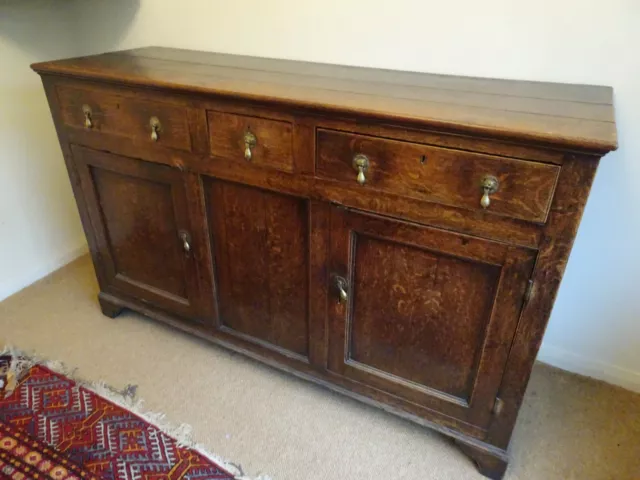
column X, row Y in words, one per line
column 567, row 115
column 261, row 259
column 446, row 176
column 123, row 116
column 447, row 302
column 273, row 139
column 431, row 313
column 138, row 212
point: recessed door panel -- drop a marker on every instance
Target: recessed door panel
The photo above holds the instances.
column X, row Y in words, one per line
column 425, row 314
column 142, row 222
column 261, row 261
column 420, row 315
column 141, row 228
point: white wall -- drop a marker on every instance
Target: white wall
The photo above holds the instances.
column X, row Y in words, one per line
column 39, row 225
column 40, row 228
column 595, row 327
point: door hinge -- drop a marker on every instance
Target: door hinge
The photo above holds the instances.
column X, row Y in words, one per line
column 527, row 293
column 497, row 406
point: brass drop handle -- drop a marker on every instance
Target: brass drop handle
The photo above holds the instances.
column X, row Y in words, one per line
column 250, row 142
column 341, row 286
column 186, row 241
column 489, row 185
column 156, row 128
column 86, row 109
column 361, row 165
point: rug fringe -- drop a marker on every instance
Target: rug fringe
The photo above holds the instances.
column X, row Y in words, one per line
column 22, row 361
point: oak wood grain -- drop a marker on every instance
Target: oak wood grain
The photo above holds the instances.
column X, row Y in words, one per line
column 363, row 393
column 274, row 140
column 138, row 212
column 468, row 221
column 261, row 241
column 430, row 314
column 121, row 116
column 446, row 309
column 559, row 233
column 569, row 115
column 447, row 176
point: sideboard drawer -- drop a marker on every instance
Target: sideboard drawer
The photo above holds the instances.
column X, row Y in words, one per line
column 514, row 188
column 259, row 141
column 143, row 121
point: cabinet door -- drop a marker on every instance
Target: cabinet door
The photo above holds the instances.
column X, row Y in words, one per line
column 148, row 243
column 425, row 314
column 260, row 242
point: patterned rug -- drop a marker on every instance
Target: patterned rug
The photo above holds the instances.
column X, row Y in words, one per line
column 55, row 428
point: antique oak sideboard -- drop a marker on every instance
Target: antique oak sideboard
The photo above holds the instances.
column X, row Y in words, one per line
column 397, row 237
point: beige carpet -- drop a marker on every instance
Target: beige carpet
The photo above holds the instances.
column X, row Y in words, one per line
column 569, row 428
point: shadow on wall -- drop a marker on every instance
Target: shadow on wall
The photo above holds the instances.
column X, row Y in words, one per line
column 46, row 30
column 35, row 194
column 103, row 25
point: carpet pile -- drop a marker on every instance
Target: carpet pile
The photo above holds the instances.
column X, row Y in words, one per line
column 54, row 427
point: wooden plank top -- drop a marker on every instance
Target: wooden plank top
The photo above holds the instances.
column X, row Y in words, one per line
column 573, row 116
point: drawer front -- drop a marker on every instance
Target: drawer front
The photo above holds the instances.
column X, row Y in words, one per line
column 259, row 141
column 514, row 188
column 145, row 122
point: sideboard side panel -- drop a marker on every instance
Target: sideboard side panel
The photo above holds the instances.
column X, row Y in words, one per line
column 49, row 84
column 573, row 189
